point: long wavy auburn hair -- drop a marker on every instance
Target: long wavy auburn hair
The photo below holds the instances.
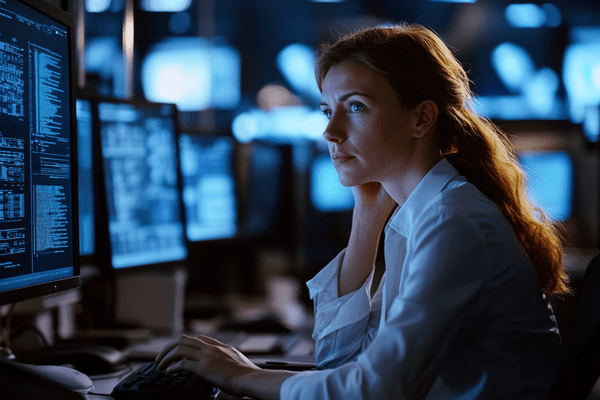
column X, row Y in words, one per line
column 420, row 66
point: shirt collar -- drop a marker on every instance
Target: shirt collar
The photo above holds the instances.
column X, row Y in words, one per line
column 431, row 185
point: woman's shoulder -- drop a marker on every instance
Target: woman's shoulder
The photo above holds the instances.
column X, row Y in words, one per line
column 465, row 198
column 464, row 203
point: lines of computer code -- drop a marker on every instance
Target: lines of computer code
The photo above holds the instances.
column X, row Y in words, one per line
column 46, row 123
column 54, row 167
column 51, row 218
column 12, row 83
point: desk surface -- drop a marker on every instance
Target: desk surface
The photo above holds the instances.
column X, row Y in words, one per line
column 104, row 384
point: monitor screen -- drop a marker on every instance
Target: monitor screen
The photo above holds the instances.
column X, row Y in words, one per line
column 143, row 202
column 85, row 175
column 38, row 208
column 550, row 181
column 209, row 186
column 195, row 73
column 263, row 210
column 581, row 72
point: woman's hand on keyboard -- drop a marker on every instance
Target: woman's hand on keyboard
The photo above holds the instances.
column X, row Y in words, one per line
column 221, row 365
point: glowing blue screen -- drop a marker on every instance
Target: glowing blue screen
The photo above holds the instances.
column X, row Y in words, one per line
column 550, row 181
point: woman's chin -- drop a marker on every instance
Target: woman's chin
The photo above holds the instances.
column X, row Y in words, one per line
column 349, row 181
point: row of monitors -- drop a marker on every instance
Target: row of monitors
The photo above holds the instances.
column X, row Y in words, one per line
column 154, row 190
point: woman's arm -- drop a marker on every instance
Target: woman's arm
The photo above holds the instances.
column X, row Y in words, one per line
column 371, row 210
column 223, row 366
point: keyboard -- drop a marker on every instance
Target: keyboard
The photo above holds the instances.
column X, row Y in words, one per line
column 148, row 383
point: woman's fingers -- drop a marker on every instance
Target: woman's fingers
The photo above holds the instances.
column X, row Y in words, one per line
column 201, row 350
column 219, row 363
column 181, row 341
column 183, row 365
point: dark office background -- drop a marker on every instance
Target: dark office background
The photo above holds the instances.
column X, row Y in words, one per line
column 535, row 67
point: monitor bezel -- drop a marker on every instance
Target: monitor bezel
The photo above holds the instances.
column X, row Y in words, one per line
column 104, row 258
column 30, row 292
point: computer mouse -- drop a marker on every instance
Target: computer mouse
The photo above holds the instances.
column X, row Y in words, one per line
column 20, row 381
column 69, row 377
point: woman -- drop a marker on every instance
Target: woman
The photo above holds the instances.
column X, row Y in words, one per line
column 461, row 311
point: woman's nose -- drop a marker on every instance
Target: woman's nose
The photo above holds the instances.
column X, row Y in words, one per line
column 329, row 137
column 334, row 132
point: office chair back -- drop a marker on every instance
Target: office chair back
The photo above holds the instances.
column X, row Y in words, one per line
column 580, row 359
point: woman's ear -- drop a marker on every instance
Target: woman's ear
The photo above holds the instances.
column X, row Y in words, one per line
column 427, row 112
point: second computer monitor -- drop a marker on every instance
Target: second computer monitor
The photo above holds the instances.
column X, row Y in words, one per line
column 143, row 202
column 209, row 186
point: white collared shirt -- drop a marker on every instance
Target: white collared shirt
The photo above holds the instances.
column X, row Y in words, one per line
column 458, row 314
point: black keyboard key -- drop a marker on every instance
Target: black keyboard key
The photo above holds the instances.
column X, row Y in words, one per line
column 148, row 383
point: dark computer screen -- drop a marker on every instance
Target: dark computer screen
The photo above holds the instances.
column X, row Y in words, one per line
column 85, row 178
column 265, row 204
column 143, row 202
column 209, row 186
column 38, row 219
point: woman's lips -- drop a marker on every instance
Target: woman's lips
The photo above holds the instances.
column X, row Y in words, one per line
column 340, row 157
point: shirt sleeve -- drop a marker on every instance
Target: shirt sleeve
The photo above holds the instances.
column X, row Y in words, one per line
column 343, row 325
column 446, row 270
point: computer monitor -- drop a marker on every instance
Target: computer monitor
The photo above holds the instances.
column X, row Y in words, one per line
column 210, row 194
column 144, row 214
column 267, row 207
column 39, row 243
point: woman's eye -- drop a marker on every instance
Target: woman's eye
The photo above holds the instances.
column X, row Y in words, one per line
column 327, row 113
column 356, row 107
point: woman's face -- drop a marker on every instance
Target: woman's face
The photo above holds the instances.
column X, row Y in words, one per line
column 371, row 136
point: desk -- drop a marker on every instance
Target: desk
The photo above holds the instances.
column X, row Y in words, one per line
column 103, row 385
column 298, row 356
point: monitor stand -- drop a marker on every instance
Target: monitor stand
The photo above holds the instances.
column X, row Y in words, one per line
column 152, row 300
column 53, row 315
